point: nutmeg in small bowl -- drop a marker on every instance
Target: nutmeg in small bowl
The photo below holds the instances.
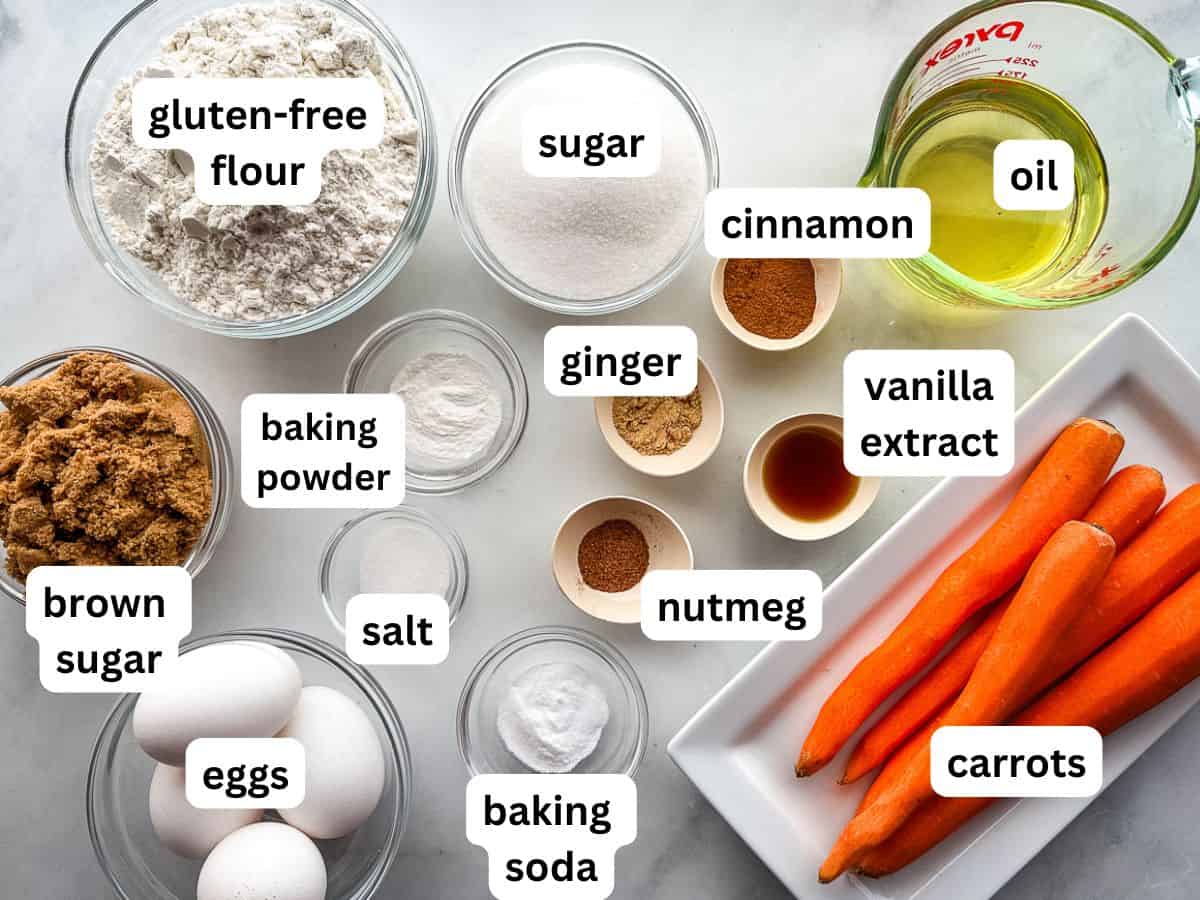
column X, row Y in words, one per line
column 775, row 304
column 700, row 443
column 599, row 562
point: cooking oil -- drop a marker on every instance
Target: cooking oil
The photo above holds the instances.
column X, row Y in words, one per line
column 945, row 147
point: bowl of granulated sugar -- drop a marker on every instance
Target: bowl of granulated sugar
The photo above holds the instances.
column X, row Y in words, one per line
column 581, row 245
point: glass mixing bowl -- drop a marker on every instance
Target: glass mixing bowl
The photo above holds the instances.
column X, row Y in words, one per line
column 338, row 572
column 575, row 52
column 132, row 42
column 390, row 348
column 623, row 741
column 139, row 868
column 220, row 454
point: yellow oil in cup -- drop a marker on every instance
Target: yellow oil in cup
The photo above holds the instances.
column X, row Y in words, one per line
column 1072, row 70
column 946, row 150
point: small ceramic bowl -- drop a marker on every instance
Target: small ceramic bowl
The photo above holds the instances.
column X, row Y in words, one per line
column 691, row 455
column 828, row 280
column 669, row 549
column 776, row 519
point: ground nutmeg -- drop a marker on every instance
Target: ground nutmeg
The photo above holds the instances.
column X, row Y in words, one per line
column 774, row 298
column 613, row 556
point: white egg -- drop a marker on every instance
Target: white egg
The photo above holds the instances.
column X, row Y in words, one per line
column 235, row 689
column 344, row 771
column 180, row 826
column 264, row 861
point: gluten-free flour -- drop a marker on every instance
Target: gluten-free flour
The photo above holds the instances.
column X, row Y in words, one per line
column 259, row 263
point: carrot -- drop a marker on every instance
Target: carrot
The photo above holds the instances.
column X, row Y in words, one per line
column 1060, row 488
column 1155, row 562
column 1061, row 580
column 932, row 693
column 1144, row 666
column 1127, row 502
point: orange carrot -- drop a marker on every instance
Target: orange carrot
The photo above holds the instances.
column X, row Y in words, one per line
column 932, row 693
column 1061, row 580
column 1127, row 502
column 1144, row 666
column 1156, row 561
column 1061, row 487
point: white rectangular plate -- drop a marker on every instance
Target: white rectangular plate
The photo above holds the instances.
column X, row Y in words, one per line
column 739, row 748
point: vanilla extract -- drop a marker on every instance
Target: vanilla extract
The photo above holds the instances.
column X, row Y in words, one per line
column 947, row 384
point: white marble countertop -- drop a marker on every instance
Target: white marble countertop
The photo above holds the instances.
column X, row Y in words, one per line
column 792, row 88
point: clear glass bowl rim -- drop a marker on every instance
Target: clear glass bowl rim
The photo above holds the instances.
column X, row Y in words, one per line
column 456, row 594
column 545, row 634
column 89, row 220
column 488, row 335
column 397, row 744
column 219, row 450
column 474, row 240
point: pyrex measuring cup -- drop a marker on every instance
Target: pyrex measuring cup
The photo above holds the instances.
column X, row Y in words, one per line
column 1141, row 103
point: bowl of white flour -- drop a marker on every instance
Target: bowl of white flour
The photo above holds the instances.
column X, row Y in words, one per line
column 249, row 271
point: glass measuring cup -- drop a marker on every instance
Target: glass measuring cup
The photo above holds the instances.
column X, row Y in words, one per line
column 1140, row 102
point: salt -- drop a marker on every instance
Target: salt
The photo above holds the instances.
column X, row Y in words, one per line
column 399, row 559
column 584, row 238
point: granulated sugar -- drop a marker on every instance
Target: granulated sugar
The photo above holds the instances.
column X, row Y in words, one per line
column 583, row 238
column 256, row 263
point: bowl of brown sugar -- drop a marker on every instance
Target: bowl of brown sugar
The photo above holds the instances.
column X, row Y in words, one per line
column 604, row 548
column 107, row 458
column 775, row 304
column 665, row 436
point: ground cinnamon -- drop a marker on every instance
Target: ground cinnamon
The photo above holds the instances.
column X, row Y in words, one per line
column 774, row 298
column 613, row 556
column 100, row 464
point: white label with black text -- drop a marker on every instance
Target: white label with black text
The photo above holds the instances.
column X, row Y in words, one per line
column 551, row 837
column 820, row 223
column 1033, row 174
column 1017, row 761
column 731, row 605
column 332, row 451
column 620, row 360
column 397, row 629
column 591, row 141
column 256, row 141
column 245, row 773
column 928, row 412
column 107, row 629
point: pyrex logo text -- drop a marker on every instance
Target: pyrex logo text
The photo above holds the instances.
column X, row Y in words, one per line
column 1010, row 30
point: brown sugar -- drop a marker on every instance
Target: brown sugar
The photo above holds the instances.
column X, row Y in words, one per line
column 613, row 556
column 774, row 298
column 654, row 426
column 100, row 464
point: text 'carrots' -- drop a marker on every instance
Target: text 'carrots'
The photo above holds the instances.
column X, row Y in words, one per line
column 1061, row 487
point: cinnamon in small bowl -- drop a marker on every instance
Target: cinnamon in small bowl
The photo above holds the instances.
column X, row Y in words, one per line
column 775, row 304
